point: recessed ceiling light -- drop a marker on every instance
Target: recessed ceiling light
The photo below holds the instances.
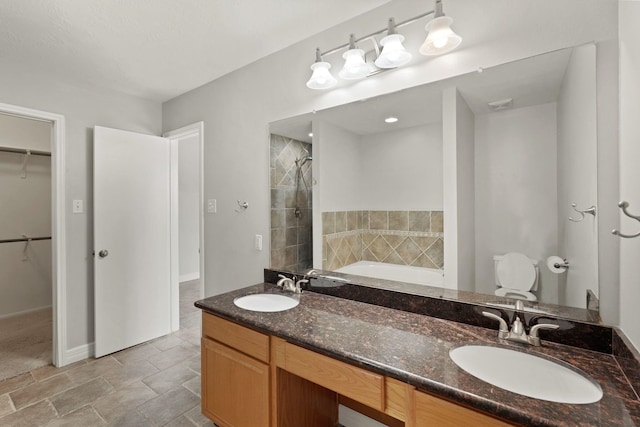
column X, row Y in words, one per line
column 310, row 134
column 391, row 120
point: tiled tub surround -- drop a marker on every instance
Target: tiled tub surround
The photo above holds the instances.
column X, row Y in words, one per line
column 415, row 349
column 291, row 240
column 394, row 237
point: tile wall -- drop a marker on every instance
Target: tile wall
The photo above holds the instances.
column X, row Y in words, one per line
column 291, row 233
column 394, row 237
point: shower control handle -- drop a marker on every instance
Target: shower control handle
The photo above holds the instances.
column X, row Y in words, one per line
column 103, row 253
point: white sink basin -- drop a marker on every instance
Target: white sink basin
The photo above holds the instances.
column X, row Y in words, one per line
column 527, row 374
column 266, row 302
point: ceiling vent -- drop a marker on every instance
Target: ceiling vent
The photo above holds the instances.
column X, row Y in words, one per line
column 501, row 105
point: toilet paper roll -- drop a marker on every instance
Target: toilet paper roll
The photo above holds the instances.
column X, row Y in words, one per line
column 556, row 264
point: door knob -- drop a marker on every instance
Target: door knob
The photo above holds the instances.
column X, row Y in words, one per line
column 103, row 253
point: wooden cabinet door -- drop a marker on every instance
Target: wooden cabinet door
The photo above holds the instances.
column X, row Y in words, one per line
column 235, row 387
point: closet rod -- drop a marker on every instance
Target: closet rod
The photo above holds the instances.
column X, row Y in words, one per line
column 25, row 151
column 25, row 239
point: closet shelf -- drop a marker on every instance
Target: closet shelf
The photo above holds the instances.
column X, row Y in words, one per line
column 25, row 151
column 25, row 239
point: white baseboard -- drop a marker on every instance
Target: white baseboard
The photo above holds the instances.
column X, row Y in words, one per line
column 189, row 277
column 31, row 310
column 78, row 353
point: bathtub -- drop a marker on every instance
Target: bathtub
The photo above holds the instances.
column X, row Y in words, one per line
column 401, row 273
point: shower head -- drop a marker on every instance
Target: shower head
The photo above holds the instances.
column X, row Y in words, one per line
column 306, row 159
column 302, row 160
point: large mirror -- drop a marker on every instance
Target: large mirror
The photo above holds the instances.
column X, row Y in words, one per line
column 480, row 187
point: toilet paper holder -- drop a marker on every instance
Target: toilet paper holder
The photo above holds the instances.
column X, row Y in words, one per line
column 557, row 265
column 564, row 264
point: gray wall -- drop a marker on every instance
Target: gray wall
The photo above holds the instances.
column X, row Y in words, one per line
column 629, row 171
column 516, row 192
column 394, row 170
column 459, row 188
column 402, row 169
column 189, row 207
column 577, row 177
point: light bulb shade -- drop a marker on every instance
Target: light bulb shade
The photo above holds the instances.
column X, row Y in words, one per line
column 393, row 53
column 441, row 38
column 355, row 66
column 321, row 77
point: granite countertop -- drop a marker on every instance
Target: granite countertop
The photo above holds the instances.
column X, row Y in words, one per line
column 415, row 349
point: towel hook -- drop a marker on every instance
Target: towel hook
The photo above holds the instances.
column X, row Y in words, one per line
column 590, row 211
column 624, row 205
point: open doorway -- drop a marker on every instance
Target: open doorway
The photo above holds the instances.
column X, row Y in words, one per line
column 31, row 145
column 57, row 242
column 187, row 205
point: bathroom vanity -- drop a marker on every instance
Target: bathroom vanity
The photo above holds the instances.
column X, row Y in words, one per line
column 293, row 368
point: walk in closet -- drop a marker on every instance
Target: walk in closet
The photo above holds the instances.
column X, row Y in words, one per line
column 25, row 245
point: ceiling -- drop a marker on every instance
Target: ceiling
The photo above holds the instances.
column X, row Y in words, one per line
column 156, row 49
column 532, row 81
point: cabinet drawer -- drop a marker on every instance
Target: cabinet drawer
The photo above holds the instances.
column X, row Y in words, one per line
column 248, row 341
column 434, row 411
column 350, row 381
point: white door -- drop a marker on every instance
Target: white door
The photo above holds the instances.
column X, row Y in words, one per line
column 132, row 208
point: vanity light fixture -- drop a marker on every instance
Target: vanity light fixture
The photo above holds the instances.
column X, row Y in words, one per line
column 393, row 53
column 391, row 120
column 355, row 67
column 440, row 39
column 321, row 77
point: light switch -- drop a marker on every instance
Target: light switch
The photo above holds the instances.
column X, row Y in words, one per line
column 211, row 206
column 78, row 206
column 258, row 242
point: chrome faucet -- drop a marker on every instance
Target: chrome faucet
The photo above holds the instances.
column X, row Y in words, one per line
column 286, row 283
column 290, row 285
column 299, row 284
column 534, row 339
column 517, row 332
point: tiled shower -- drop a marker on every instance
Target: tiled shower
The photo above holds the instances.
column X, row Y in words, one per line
column 291, row 223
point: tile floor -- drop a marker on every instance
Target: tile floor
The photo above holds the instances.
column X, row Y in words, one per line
column 25, row 342
column 153, row 384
